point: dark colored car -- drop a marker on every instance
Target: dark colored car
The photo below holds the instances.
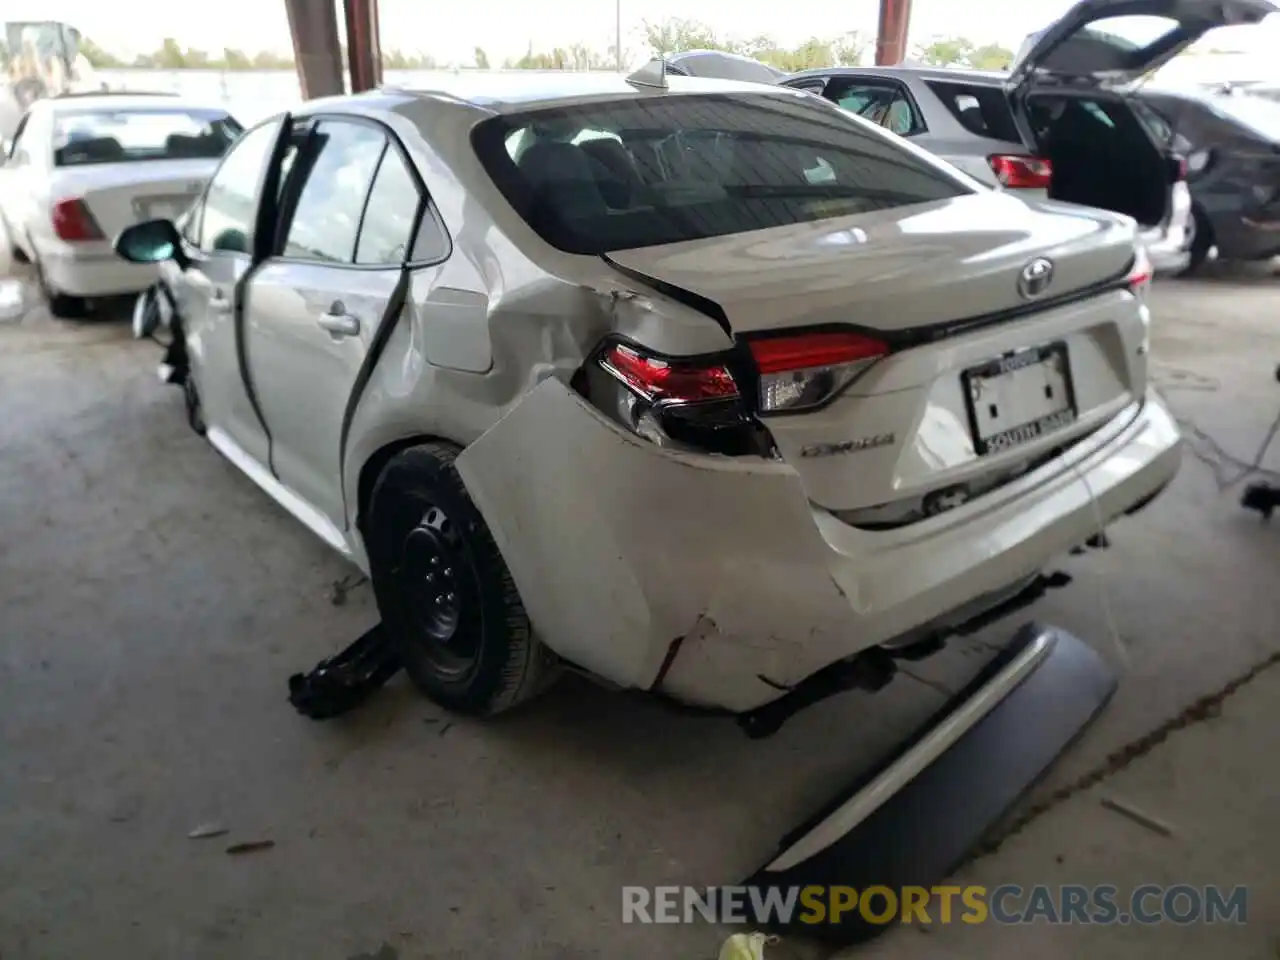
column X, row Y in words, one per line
column 1232, row 145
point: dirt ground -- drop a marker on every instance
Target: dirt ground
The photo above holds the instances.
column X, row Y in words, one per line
column 153, row 603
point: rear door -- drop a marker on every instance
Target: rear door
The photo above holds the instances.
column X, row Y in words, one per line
column 314, row 308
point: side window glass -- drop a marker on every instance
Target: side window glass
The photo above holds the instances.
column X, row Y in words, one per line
column 855, row 99
column 884, row 104
column 231, row 202
column 810, row 86
column 343, row 158
column 387, row 230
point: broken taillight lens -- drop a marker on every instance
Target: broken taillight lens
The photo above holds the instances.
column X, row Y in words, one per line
column 802, row 371
column 689, row 403
column 1141, row 273
column 1021, row 172
column 668, row 381
column 73, row 222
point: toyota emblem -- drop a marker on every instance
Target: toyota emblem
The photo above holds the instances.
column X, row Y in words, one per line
column 1035, row 278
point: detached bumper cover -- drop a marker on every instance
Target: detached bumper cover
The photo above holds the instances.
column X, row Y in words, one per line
column 911, row 821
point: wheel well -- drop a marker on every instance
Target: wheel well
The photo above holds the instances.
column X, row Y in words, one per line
column 373, row 468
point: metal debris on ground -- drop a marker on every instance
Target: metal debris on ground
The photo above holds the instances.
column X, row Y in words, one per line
column 340, row 589
column 1137, row 816
column 252, row 846
column 207, row 830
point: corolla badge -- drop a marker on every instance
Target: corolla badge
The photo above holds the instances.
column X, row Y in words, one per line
column 1035, row 278
column 848, row 446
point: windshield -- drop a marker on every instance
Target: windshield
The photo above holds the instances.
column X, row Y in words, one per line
column 613, row 176
column 125, row 136
column 1259, row 114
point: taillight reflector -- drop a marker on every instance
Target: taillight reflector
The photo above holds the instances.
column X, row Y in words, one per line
column 657, row 380
column 1021, row 172
column 73, row 222
column 1141, row 273
column 806, row 370
column 807, row 350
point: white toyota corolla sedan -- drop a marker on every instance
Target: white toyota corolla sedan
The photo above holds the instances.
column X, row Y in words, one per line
column 707, row 389
column 82, row 167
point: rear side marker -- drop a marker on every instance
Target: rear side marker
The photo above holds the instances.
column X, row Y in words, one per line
column 912, row 820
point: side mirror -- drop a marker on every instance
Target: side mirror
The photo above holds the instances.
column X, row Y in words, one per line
column 152, row 241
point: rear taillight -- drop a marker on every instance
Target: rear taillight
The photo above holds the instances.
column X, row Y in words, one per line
column 1178, row 167
column 73, row 222
column 802, row 371
column 1021, row 172
column 668, row 381
column 689, row 403
column 1141, row 273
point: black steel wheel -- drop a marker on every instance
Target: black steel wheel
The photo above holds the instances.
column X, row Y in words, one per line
column 447, row 600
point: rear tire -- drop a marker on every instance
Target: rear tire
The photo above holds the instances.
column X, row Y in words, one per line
column 1201, row 242
column 447, row 600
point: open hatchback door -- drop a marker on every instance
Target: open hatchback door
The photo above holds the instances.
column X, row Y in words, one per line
column 1114, row 42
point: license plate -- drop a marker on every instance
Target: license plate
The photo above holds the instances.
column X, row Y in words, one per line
column 1019, row 397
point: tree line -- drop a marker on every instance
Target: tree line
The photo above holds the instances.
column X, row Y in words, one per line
column 666, row 37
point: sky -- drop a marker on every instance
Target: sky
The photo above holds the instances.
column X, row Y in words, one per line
column 505, row 28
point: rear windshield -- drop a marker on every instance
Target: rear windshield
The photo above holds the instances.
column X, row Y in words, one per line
column 983, row 111
column 612, row 176
column 124, row 136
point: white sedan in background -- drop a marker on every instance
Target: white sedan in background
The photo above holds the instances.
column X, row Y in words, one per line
column 81, row 168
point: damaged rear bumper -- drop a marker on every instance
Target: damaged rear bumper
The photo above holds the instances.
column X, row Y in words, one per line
column 716, row 582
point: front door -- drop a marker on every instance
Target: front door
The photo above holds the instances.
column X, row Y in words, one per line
column 314, row 307
column 220, row 238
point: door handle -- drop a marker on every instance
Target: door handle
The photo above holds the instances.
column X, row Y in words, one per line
column 338, row 322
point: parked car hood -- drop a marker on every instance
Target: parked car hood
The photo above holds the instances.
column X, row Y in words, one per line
column 893, row 270
column 1076, row 46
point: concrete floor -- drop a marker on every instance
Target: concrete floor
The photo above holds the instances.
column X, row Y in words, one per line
column 153, row 602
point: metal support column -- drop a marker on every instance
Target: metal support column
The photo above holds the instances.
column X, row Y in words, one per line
column 364, row 50
column 313, row 25
column 891, row 41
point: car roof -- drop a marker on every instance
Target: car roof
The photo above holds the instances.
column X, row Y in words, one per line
column 91, row 102
column 520, row 90
column 989, row 78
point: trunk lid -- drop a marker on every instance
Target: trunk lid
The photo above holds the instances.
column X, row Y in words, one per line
column 955, row 409
column 893, row 270
column 122, row 194
column 1092, row 42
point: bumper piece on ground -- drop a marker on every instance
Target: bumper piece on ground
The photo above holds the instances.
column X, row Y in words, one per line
column 911, row 821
